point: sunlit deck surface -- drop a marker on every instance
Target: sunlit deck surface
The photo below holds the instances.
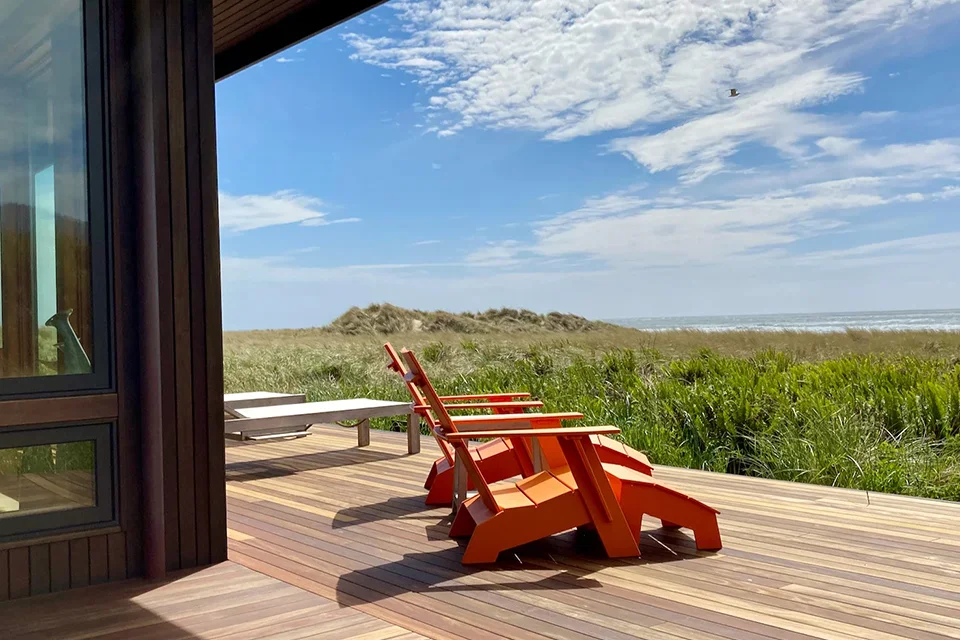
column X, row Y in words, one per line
column 349, row 550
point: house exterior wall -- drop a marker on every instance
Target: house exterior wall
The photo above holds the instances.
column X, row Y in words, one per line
column 152, row 87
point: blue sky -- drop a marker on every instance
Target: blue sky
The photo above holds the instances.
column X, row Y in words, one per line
column 586, row 157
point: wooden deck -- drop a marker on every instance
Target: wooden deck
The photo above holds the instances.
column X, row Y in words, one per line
column 347, row 532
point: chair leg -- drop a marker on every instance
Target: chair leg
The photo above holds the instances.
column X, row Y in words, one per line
column 441, row 491
column 674, row 510
column 463, row 524
column 481, row 550
column 433, row 473
column 495, row 468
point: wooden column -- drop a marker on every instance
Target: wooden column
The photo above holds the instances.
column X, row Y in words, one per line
column 177, row 233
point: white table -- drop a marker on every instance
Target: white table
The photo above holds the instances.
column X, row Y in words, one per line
column 276, row 420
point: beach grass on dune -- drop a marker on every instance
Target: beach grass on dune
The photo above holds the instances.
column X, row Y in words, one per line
column 866, row 410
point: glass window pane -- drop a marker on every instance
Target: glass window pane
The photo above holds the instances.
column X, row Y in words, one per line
column 47, row 478
column 45, row 285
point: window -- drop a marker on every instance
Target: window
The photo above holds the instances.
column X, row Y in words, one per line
column 54, row 321
column 55, row 479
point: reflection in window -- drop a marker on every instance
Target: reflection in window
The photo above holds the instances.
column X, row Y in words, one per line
column 45, row 287
column 46, row 478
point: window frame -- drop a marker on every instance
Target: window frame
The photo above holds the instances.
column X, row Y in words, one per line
column 103, row 514
column 102, row 379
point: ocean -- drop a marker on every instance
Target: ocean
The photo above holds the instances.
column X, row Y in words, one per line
column 936, row 320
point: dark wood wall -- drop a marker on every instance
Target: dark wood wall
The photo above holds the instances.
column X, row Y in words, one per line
column 168, row 407
column 180, row 326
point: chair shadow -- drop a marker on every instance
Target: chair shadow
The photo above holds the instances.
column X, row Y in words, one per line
column 427, row 573
column 396, row 508
column 292, row 465
column 572, row 557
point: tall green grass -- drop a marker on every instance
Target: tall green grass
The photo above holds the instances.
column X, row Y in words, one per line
column 886, row 422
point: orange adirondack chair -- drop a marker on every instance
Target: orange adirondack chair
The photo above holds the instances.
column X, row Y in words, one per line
column 637, row 494
column 504, row 516
column 497, row 458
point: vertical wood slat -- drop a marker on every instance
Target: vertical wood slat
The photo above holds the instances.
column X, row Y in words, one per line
column 39, row 569
column 180, row 215
column 195, row 184
column 79, row 563
column 121, row 122
column 162, row 202
column 210, row 309
column 116, row 556
column 19, row 567
column 99, row 565
column 4, row 576
column 59, row 566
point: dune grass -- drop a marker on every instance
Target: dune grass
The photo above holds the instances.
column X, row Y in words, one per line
column 867, row 410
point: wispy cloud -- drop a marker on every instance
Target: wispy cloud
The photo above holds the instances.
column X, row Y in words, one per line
column 570, row 69
column 423, row 243
column 284, row 60
column 633, row 229
column 248, row 212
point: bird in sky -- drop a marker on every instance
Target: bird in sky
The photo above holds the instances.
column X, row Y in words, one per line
column 734, row 93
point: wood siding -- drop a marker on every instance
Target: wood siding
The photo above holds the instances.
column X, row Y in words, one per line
column 162, row 185
column 58, row 565
column 180, row 203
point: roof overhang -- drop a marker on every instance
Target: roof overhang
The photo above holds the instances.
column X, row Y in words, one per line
column 247, row 31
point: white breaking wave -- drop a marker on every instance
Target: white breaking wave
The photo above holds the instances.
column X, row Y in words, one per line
column 931, row 320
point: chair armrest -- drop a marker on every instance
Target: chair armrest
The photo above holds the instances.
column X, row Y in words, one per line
column 484, row 396
column 525, row 404
column 533, row 433
column 512, row 421
column 507, row 418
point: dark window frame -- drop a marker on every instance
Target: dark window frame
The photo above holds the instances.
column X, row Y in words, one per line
column 103, row 514
column 102, row 379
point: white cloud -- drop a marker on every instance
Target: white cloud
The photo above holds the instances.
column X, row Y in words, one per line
column 886, row 251
column 630, row 228
column 496, row 254
column 436, row 165
column 283, row 59
column 248, row 212
column 570, row 68
column 423, row 243
column 771, row 116
column 838, row 146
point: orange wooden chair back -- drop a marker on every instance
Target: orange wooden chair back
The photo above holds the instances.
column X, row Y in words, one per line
column 396, row 364
column 416, row 376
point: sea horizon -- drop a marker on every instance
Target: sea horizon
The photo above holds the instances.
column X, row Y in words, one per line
column 820, row 322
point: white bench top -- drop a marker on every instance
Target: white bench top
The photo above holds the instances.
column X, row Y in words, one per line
column 255, row 395
column 356, row 408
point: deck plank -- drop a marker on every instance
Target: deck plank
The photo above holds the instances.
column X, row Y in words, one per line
column 331, row 541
